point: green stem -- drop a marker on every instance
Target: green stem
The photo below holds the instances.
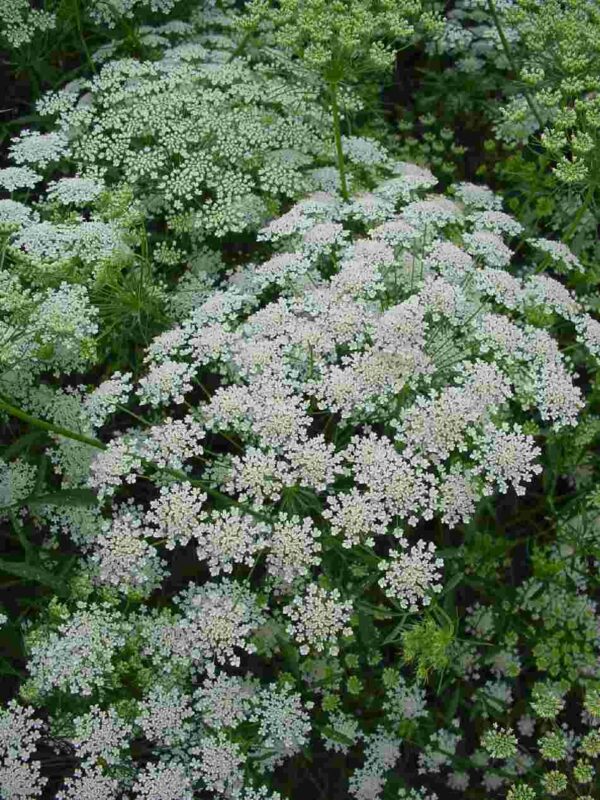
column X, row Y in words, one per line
column 82, row 37
column 175, row 473
column 22, row 537
column 572, row 229
column 49, row 426
column 506, row 47
column 337, row 135
column 241, row 46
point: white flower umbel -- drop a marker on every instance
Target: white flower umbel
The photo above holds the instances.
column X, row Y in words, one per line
column 20, row 736
column 163, row 781
column 77, row 657
column 12, row 178
column 412, row 576
column 318, row 618
column 219, row 620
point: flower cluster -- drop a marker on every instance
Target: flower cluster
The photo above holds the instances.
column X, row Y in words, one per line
column 328, row 495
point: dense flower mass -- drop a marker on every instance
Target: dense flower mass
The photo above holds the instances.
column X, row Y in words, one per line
column 298, row 465
column 358, row 390
column 210, row 137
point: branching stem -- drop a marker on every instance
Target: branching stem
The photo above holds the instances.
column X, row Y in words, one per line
column 509, row 57
column 337, row 135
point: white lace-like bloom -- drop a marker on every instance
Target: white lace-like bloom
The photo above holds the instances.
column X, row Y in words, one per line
column 38, row 149
column 325, row 179
column 258, row 476
column 280, row 270
column 123, row 558
column 16, row 215
column 294, row 221
column 438, row 752
column 442, row 300
column 476, row 196
column 367, row 207
column 223, row 701
column 459, row 781
column 457, row 497
column 166, row 345
column 438, row 425
column 219, row 764
column 230, row 537
column 558, row 400
column 381, row 753
column 101, row 735
column 77, row 657
column 20, row 731
column 412, row 576
column 505, row 457
column 89, row 784
column 496, row 222
column 357, row 517
column 293, row 549
column 359, row 150
column 219, row 620
column 359, row 277
column 489, row 247
column 172, row 443
column 433, row 212
column 17, row 481
column 67, row 322
column 92, row 242
column 12, row 178
column 170, row 380
column 317, row 618
column 588, row 330
column 366, row 381
column 164, row 716
column 412, row 177
column 451, row 261
column 21, row 23
column 74, row 191
column 405, row 701
column 547, row 292
column 395, row 231
column 404, row 486
column 276, row 415
column 560, row 254
column 497, row 334
column 105, row 398
column 376, row 389
column 223, row 111
column 315, row 462
column 501, row 286
column 20, row 734
column 176, row 514
column 117, row 464
column 163, row 781
column 283, row 724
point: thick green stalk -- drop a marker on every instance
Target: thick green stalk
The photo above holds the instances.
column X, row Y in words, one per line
column 49, row 426
column 585, row 205
column 82, row 37
column 337, row 135
column 241, row 46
